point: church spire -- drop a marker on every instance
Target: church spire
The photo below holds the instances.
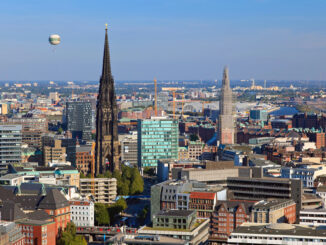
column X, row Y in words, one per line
column 226, row 80
column 106, row 70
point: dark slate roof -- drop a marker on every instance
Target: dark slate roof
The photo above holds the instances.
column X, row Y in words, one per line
column 53, row 200
column 38, row 215
column 6, row 194
column 11, row 211
column 66, row 168
column 44, row 168
column 28, row 202
column 31, row 188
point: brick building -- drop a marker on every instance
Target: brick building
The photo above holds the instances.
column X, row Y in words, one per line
column 84, row 159
column 227, row 216
column 40, row 208
column 203, row 203
column 274, row 211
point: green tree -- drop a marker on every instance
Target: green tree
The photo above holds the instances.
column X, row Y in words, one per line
column 117, row 207
column 123, row 187
column 137, row 182
column 82, row 175
column 194, row 137
column 143, row 214
column 69, row 237
column 149, row 171
column 102, row 216
column 60, row 130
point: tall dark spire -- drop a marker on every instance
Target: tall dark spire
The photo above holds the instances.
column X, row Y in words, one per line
column 107, row 144
column 106, row 70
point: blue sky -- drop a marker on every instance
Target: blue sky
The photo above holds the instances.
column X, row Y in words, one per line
column 167, row 39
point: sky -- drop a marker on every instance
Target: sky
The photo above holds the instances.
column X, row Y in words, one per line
column 166, row 39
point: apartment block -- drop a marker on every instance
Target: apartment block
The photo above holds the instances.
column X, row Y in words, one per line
column 104, row 190
column 54, row 153
column 82, row 212
column 274, row 211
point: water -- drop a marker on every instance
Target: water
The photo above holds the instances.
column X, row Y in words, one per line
column 285, row 111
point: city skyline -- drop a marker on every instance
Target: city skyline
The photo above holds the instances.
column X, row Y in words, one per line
column 183, row 40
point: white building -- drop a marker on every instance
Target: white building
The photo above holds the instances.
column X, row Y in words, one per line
column 82, row 212
column 313, row 217
column 307, row 173
column 321, row 191
column 278, row 233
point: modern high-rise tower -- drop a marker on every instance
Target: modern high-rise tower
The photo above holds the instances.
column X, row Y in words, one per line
column 107, row 144
column 226, row 121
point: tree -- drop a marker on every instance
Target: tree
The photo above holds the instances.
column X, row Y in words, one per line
column 137, row 182
column 123, row 187
column 102, row 216
column 143, row 214
column 117, row 207
column 60, row 130
column 69, row 237
column 194, row 137
column 82, row 175
column 149, row 171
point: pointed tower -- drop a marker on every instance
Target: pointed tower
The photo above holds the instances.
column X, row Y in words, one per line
column 107, row 144
column 227, row 111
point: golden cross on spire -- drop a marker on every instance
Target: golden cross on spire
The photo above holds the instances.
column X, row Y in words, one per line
column 106, row 26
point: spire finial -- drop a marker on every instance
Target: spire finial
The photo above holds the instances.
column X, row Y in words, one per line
column 106, row 26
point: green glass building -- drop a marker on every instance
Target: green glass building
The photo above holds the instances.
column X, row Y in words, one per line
column 157, row 139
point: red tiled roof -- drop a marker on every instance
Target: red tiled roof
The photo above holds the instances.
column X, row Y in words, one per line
column 202, row 195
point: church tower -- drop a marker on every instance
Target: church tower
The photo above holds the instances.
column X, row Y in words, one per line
column 107, row 144
column 227, row 111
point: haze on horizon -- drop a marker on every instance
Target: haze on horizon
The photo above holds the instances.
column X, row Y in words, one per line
column 170, row 40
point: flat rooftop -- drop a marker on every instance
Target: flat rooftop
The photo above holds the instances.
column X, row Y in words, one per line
column 280, row 229
column 181, row 213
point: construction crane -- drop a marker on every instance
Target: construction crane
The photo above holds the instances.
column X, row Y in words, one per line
column 93, row 168
column 155, row 84
column 203, row 104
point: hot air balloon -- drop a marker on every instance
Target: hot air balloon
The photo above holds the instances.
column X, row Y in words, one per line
column 54, row 39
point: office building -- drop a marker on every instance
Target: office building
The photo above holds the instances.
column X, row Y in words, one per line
column 54, row 153
column 181, row 224
column 104, row 190
column 249, row 233
column 274, row 211
column 79, row 119
column 226, row 121
column 157, row 139
column 82, row 212
column 3, row 109
column 313, row 217
column 258, row 115
column 253, row 186
column 10, row 141
column 129, row 150
column 11, row 233
column 307, row 173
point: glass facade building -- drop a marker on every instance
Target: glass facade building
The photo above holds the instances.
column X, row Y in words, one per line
column 10, row 146
column 157, row 139
column 259, row 115
column 79, row 119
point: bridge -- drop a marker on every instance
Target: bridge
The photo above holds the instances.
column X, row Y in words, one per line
column 93, row 231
